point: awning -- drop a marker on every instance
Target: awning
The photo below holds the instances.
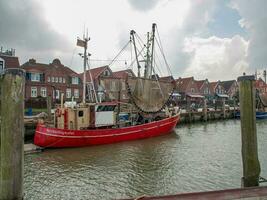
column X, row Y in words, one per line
column 194, row 95
column 222, row 95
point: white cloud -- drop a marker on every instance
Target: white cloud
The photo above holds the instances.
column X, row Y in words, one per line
column 254, row 17
column 217, row 58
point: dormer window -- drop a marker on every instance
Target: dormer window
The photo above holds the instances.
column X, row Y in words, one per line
column 75, row 80
column 35, row 77
column 106, row 73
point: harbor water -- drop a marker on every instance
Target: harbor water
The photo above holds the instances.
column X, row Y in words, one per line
column 196, row 157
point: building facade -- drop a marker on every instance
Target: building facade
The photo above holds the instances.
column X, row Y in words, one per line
column 52, row 79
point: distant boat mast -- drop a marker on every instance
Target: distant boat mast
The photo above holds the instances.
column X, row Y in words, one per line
column 83, row 43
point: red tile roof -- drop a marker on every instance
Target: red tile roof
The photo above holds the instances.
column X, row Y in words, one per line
column 213, row 86
column 182, row 83
column 95, row 72
column 10, row 61
column 55, row 68
column 200, row 84
column 166, row 78
column 123, row 73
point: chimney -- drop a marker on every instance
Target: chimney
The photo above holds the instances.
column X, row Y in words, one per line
column 32, row 61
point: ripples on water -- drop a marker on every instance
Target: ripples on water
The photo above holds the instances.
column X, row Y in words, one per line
column 197, row 157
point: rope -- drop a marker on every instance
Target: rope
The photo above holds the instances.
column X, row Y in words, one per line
column 162, row 52
column 119, row 53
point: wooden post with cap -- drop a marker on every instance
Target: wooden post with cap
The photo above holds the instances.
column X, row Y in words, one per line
column 251, row 164
column 12, row 134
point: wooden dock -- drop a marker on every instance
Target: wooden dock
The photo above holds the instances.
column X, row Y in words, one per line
column 31, row 148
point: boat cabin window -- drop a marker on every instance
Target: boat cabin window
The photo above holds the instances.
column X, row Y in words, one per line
column 80, row 113
column 106, row 108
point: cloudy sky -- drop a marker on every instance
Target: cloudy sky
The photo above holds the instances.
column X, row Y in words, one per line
column 212, row 39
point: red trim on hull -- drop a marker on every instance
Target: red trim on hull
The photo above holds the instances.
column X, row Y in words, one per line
column 53, row 137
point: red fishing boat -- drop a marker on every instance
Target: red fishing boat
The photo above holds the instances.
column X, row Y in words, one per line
column 54, row 137
column 94, row 123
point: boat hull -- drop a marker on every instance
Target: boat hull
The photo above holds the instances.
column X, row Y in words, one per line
column 53, row 137
column 259, row 115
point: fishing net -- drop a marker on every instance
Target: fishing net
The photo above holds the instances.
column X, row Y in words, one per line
column 149, row 95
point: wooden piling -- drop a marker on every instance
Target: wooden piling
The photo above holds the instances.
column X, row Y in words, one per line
column 251, row 164
column 205, row 113
column 12, row 134
column 223, row 108
column 48, row 105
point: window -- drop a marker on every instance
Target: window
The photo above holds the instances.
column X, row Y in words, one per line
column 57, row 94
column 192, row 90
column 48, row 79
column 68, row 93
column 206, row 90
column 53, row 79
column 60, row 79
column 33, row 91
column 75, row 80
column 80, row 113
column 35, row 77
column 123, row 87
column 2, row 65
column 113, row 85
column 63, row 80
column 76, row 93
column 43, row 91
column 106, row 73
column 56, row 79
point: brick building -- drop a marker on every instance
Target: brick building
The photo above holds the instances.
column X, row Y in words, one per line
column 230, row 87
column 8, row 60
column 187, row 86
column 108, row 84
column 51, row 79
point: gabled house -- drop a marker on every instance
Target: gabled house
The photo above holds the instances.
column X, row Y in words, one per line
column 51, row 79
column 94, row 76
column 261, row 85
column 230, row 87
column 217, row 90
column 115, row 85
column 186, row 86
column 203, row 87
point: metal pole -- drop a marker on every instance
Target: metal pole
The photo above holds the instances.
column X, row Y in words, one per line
column 48, row 102
column 251, row 164
column 12, row 134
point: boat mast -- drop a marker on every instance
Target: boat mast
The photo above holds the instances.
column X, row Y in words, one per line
column 83, row 43
column 152, row 51
column 135, row 51
column 147, row 57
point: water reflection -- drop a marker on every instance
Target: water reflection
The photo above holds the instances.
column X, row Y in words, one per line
column 195, row 158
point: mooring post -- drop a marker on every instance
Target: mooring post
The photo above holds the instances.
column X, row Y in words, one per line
column 234, row 107
column 48, row 105
column 205, row 109
column 12, row 134
column 188, row 100
column 223, row 107
column 251, row 164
